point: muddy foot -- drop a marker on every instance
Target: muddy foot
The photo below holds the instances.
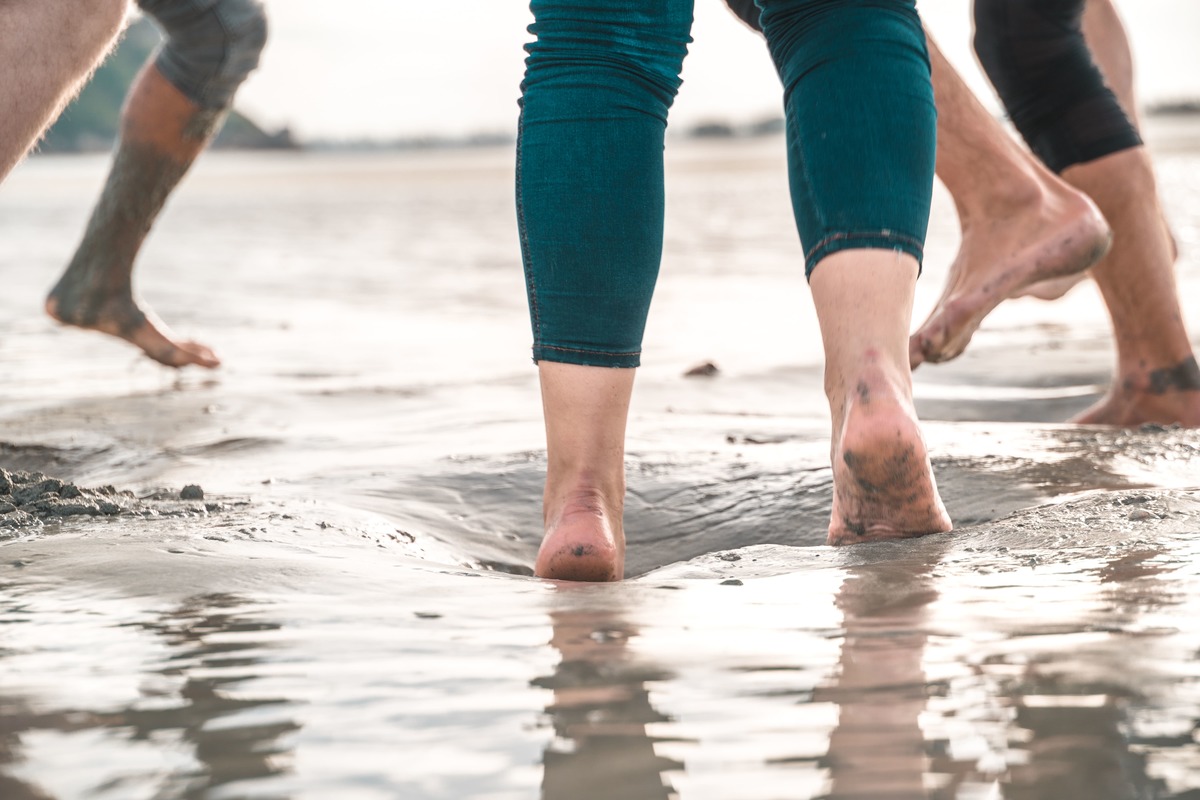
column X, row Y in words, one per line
column 1058, row 287
column 582, row 544
column 1054, row 288
column 123, row 318
column 883, row 481
column 1166, row 397
column 1003, row 258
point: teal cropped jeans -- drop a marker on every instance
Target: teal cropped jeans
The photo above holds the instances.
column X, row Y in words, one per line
column 600, row 78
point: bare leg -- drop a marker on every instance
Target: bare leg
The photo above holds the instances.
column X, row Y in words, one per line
column 585, row 409
column 1109, row 43
column 48, row 48
column 1157, row 377
column 162, row 132
column 1020, row 223
column 883, row 481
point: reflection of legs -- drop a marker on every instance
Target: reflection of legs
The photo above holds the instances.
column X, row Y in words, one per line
column 174, row 107
column 47, row 47
column 599, row 81
column 600, row 712
column 1035, row 55
column 861, row 198
column 1021, row 224
column 878, row 747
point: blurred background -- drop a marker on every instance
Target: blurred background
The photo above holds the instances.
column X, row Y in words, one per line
column 375, row 72
column 342, row 617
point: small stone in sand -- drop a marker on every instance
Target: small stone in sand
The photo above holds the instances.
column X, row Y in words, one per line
column 705, row 370
column 191, row 492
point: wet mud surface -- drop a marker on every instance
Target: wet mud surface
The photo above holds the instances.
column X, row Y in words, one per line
column 749, row 490
column 344, row 609
column 285, row 645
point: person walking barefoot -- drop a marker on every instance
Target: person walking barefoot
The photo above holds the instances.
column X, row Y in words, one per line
column 599, row 81
column 1037, row 56
column 174, row 108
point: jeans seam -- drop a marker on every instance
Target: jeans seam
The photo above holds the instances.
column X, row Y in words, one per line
column 589, row 352
column 526, row 253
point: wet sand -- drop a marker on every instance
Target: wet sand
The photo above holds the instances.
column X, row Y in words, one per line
column 347, row 611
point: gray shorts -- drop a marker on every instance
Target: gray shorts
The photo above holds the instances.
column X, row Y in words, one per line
column 211, row 46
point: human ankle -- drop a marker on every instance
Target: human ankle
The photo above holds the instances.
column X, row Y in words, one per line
column 874, row 374
column 584, row 537
column 563, row 498
column 1003, row 196
column 1151, row 377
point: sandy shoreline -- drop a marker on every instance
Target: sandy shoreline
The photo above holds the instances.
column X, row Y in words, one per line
column 348, row 612
column 317, row 650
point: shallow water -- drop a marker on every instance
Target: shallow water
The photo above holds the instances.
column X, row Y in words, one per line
column 354, row 618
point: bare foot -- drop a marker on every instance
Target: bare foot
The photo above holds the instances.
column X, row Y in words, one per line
column 1060, row 236
column 883, row 481
column 120, row 315
column 1172, row 238
column 584, row 542
column 1058, row 287
column 1168, row 396
column 1054, row 288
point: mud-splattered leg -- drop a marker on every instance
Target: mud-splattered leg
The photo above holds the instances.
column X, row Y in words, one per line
column 162, row 133
column 883, row 481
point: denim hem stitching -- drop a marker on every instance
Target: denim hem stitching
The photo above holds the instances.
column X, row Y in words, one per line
column 586, row 352
column 885, row 235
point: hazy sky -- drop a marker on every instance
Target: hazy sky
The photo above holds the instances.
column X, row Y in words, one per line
column 382, row 68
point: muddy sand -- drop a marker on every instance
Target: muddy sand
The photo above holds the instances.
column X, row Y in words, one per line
column 262, row 646
column 347, row 610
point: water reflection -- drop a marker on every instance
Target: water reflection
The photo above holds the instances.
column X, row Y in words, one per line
column 955, row 679
column 1074, row 709
column 15, row 718
column 216, row 651
column 878, row 748
column 601, row 707
column 193, row 698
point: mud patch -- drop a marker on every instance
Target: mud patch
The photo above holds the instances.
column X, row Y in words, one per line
column 28, row 498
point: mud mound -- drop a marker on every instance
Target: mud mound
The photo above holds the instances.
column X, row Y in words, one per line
column 28, row 499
